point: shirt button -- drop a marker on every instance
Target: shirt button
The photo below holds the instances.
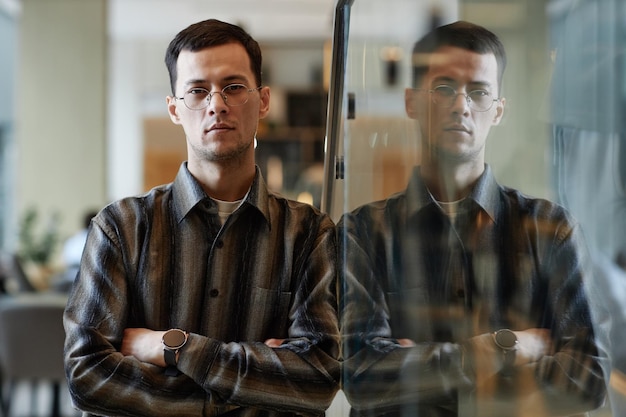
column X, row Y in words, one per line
column 219, row 244
column 214, row 292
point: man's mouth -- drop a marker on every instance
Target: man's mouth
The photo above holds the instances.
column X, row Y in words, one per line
column 217, row 127
column 457, row 128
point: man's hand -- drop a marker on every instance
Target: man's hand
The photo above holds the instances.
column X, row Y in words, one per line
column 532, row 345
column 487, row 359
column 406, row 342
column 145, row 345
column 274, row 343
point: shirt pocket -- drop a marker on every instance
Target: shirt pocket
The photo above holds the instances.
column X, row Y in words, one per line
column 410, row 314
column 269, row 314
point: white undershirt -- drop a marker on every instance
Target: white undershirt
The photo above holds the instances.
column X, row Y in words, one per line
column 450, row 208
column 226, row 208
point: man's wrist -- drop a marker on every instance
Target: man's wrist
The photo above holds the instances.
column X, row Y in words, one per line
column 173, row 340
column 506, row 341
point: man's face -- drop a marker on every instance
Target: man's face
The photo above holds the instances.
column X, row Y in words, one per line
column 455, row 131
column 218, row 132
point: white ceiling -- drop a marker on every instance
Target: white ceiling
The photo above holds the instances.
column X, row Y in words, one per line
column 266, row 20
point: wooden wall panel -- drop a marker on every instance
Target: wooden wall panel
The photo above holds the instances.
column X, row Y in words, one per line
column 165, row 148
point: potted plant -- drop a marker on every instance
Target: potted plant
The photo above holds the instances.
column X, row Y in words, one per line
column 37, row 246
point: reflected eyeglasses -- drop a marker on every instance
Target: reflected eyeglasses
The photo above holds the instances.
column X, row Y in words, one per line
column 478, row 100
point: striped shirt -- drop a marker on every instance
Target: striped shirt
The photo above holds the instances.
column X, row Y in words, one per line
column 506, row 261
column 164, row 260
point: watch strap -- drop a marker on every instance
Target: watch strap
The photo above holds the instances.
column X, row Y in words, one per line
column 171, row 347
column 506, row 340
column 170, row 357
column 173, row 340
column 172, row 371
column 171, row 362
column 508, row 362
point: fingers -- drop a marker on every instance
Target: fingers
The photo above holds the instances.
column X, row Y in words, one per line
column 406, row 342
column 274, row 343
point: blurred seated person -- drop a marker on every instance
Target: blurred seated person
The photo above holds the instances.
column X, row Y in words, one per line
column 462, row 297
column 72, row 253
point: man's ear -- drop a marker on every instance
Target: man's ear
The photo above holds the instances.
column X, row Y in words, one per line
column 264, row 105
column 172, row 110
column 410, row 102
column 499, row 111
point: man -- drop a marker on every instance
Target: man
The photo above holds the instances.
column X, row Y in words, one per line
column 460, row 296
column 207, row 296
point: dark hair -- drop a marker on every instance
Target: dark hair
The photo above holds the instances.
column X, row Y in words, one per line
column 460, row 34
column 210, row 33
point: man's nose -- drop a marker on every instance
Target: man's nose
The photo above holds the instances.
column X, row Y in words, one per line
column 461, row 103
column 217, row 103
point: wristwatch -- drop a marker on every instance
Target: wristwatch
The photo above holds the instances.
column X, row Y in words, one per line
column 506, row 340
column 173, row 340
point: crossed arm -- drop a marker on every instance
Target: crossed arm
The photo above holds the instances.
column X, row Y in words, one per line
column 145, row 345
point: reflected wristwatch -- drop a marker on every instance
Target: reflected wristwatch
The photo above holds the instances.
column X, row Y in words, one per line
column 506, row 340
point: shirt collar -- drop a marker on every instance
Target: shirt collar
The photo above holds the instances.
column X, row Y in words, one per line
column 485, row 193
column 188, row 193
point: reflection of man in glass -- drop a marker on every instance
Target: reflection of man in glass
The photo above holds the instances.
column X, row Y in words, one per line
column 460, row 296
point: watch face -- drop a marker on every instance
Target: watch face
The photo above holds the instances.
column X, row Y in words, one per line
column 174, row 339
column 506, row 339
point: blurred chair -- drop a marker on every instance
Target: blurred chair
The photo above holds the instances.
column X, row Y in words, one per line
column 12, row 274
column 31, row 345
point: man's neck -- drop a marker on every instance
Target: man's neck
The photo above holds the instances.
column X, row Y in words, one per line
column 224, row 181
column 451, row 182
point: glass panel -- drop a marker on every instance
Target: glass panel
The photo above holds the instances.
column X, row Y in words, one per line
column 473, row 289
column 8, row 52
column 3, row 188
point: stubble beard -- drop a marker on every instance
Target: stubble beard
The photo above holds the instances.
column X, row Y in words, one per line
column 234, row 154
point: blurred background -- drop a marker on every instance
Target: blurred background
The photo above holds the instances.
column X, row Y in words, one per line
column 83, row 119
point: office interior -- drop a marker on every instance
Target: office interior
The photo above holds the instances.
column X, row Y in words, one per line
column 83, row 119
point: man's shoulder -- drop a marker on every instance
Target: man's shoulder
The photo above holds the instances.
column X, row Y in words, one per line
column 285, row 206
column 536, row 207
column 291, row 204
column 377, row 211
column 137, row 205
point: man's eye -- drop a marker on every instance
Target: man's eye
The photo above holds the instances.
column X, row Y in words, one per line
column 235, row 88
column 445, row 90
column 198, row 91
column 479, row 93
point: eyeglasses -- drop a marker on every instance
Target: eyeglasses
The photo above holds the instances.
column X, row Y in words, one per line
column 478, row 100
column 233, row 95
